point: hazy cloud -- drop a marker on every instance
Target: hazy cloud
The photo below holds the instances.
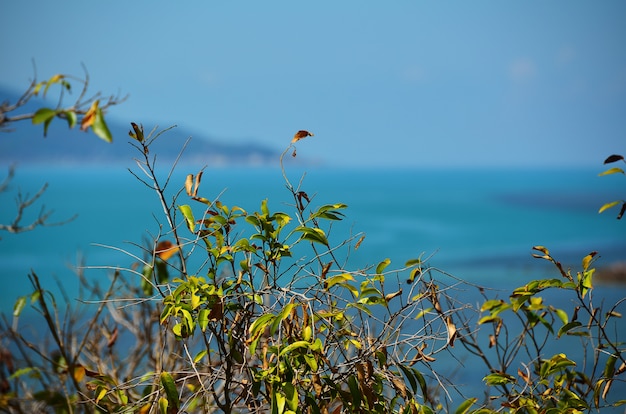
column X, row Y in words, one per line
column 565, row 55
column 522, row 69
column 414, row 73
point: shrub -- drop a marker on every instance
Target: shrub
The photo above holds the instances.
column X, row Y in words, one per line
column 235, row 311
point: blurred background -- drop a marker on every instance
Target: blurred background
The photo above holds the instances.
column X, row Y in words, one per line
column 402, row 83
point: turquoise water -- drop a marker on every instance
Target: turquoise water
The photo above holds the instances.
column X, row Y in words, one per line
column 479, row 225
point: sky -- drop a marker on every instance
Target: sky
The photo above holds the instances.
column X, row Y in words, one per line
column 402, row 83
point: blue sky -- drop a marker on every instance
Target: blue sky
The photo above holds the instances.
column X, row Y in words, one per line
column 409, row 83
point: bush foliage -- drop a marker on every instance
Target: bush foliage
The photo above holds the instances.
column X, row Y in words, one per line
column 227, row 310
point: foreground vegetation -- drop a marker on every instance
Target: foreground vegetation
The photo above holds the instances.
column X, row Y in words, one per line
column 227, row 310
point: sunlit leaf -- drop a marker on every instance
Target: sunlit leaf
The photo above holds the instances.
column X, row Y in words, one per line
column 465, row 406
column 199, row 356
column 498, row 379
column 101, row 393
column 294, row 345
column 163, row 405
column 281, row 316
column 256, row 329
column 587, row 260
column 332, row 281
column 614, row 170
column 313, row 234
column 55, row 79
column 19, row 305
column 608, row 205
column 188, row 214
column 562, row 315
column 382, row 265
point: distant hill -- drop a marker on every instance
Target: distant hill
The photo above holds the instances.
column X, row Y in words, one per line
column 26, row 144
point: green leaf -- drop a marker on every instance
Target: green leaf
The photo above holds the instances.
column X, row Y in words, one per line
column 465, row 406
column 315, row 235
column 71, row 118
column 203, row 319
column 354, row 391
column 292, row 346
column 19, row 305
column 408, row 374
column 311, row 362
column 609, row 368
column 43, row 115
column 498, row 379
column 562, row 315
column 342, row 278
column 170, row 389
column 283, row 314
column 257, row 328
column 188, row 214
column 163, row 405
column 100, row 128
column 32, row 372
column 329, row 212
column 585, row 283
column 382, row 265
column 291, row 395
column 199, row 356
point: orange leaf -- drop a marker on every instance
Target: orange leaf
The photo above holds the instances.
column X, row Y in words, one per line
column 90, row 116
column 300, row 135
column 165, row 249
column 79, row 373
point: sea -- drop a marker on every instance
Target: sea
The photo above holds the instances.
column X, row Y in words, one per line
column 475, row 225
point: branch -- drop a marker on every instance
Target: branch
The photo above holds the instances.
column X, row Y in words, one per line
column 24, row 202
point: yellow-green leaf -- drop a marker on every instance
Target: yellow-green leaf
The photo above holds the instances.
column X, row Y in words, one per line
column 465, row 405
column 614, row 170
column 199, row 356
column 19, row 305
column 188, row 214
column 382, row 265
column 43, row 115
column 163, row 405
column 294, row 345
column 608, row 206
column 332, row 281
